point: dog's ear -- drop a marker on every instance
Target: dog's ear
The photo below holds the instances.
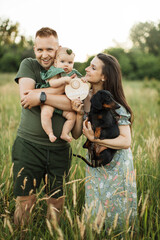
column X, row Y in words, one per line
column 109, row 98
column 96, row 101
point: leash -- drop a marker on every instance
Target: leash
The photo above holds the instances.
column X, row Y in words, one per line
column 84, row 159
column 94, row 163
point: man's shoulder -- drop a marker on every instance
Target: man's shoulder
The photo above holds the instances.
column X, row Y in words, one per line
column 30, row 61
column 29, row 68
column 30, row 64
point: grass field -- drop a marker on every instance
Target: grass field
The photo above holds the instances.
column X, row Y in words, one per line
column 143, row 98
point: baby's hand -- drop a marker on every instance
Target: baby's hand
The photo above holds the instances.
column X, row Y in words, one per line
column 66, row 79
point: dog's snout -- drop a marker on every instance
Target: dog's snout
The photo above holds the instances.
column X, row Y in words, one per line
column 112, row 105
column 117, row 106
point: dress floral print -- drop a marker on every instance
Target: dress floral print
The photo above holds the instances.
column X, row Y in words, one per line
column 112, row 188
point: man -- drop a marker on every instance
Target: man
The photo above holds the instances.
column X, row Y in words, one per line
column 34, row 156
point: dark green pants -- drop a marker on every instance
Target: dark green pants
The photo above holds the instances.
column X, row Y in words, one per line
column 34, row 162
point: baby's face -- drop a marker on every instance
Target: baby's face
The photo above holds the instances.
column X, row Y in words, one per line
column 65, row 61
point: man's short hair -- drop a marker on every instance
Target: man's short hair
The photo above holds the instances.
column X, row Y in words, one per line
column 46, row 32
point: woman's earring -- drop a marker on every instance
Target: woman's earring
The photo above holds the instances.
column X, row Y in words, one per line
column 103, row 80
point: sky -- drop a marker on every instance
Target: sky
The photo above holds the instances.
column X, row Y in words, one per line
column 86, row 26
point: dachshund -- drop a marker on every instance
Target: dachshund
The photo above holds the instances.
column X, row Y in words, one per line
column 103, row 120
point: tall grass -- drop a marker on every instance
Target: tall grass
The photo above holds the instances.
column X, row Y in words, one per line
column 74, row 225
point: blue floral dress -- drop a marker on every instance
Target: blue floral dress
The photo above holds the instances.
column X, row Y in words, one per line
column 112, row 189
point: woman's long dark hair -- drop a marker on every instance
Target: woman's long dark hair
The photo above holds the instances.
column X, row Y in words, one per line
column 113, row 80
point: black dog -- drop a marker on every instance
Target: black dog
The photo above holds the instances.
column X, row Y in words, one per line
column 103, row 119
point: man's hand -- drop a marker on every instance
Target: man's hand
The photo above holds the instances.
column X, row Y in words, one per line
column 30, row 99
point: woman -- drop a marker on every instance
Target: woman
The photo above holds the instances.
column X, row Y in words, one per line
column 112, row 188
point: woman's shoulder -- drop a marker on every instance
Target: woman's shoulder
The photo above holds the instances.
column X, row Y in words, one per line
column 124, row 116
column 122, row 111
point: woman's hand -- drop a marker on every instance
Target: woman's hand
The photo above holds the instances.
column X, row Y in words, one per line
column 84, row 79
column 88, row 131
column 30, row 99
column 77, row 106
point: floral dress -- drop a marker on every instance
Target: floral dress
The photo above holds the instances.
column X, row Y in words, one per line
column 111, row 190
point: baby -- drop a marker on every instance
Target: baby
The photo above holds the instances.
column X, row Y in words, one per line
column 56, row 76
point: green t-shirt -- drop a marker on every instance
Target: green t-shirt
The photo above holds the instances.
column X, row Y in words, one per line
column 30, row 127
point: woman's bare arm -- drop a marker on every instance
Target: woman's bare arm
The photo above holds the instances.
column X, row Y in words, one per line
column 77, row 129
column 123, row 141
column 77, row 106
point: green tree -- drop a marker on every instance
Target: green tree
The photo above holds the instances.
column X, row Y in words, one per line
column 81, row 66
column 144, row 65
column 13, row 46
column 8, row 32
column 123, row 59
column 146, row 37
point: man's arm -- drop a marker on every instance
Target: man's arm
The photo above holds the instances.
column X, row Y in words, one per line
column 30, row 97
column 25, row 84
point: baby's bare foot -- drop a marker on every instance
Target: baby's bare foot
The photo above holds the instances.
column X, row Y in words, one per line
column 66, row 137
column 52, row 138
